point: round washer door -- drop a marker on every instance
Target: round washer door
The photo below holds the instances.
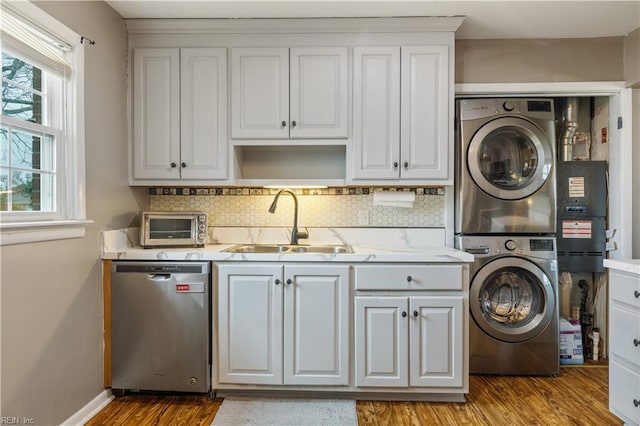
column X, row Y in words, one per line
column 512, row 299
column 509, row 158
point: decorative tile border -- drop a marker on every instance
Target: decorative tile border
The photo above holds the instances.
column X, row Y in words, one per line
column 326, row 207
column 357, row 190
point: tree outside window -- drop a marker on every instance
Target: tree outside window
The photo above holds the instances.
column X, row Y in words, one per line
column 27, row 154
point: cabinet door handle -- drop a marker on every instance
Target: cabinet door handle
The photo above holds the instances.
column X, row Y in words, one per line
column 293, row 123
column 415, row 313
column 636, row 294
column 406, row 164
column 636, row 342
column 289, row 281
column 409, row 279
column 395, row 164
column 173, row 165
column 404, row 314
column 284, row 123
column 277, row 281
column 636, row 403
column 183, row 165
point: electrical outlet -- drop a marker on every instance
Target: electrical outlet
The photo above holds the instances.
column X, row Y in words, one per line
column 363, row 217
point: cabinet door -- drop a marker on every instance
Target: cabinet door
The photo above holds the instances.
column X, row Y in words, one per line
column 316, row 326
column 425, row 112
column 319, row 92
column 260, row 93
column 203, row 114
column 156, row 114
column 376, row 112
column 381, row 345
column 250, row 324
column 436, row 336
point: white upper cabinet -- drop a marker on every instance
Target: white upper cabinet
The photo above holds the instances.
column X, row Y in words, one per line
column 402, row 120
column 156, row 113
column 179, row 115
column 254, row 102
column 425, row 103
column 376, row 112
column 203, row 113
column 260, row 92
column 319, row 92
column 297, row 93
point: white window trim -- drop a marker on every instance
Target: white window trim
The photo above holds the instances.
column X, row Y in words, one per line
column 74, row 223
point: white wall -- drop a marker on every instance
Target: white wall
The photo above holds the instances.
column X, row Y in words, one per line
column 632, row 58
column 52, row 291
column 540, row 60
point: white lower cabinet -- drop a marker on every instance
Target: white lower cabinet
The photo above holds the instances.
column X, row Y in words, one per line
column 410, row 327
column 383, row 328
column 408, row 341
column 283, row 324
column 624, row 345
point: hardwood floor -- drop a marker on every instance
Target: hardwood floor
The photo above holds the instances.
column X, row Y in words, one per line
column 579, row 396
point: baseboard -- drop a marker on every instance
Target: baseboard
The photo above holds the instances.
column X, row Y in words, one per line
column 87, row 412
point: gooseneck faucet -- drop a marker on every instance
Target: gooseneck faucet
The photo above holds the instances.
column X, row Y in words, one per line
column 295, row 234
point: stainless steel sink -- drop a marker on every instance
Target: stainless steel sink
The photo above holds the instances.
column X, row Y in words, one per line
column 289, row 248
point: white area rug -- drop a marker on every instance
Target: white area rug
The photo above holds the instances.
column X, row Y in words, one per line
column 286, row 412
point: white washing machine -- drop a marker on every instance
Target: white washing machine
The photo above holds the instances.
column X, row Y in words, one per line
column 513, row 299
column 505, row 166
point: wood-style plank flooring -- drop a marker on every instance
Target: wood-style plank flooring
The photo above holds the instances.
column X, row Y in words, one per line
column 579, row 396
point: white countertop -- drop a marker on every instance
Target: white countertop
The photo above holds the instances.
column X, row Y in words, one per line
column 625, row 265
column 368, row 244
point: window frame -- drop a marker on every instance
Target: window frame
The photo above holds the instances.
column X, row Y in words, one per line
column 69, row 218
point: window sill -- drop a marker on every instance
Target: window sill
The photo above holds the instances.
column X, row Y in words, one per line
column 31, row 232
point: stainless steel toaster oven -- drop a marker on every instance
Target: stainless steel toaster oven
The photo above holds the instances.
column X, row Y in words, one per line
column 173, row 229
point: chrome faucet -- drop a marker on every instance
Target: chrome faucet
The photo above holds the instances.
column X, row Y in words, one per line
column 295, row 234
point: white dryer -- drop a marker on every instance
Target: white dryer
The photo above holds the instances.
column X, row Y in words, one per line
column 513, row 299
column 505, row 166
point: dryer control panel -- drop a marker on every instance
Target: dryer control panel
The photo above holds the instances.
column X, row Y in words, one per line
column 471, row 109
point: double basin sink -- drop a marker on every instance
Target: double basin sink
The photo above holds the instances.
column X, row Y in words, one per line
column 289, row 249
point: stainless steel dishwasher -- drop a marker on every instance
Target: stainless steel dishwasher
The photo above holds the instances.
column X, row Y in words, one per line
column 160, row 323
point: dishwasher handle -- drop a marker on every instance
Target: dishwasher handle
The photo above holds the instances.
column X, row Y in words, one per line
column 158, row 277
column 161, row 268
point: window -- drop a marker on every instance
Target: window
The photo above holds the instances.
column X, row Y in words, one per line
column 27, row 145
column 41, row 128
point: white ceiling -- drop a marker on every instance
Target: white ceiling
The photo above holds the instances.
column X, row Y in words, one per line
column 484, row 19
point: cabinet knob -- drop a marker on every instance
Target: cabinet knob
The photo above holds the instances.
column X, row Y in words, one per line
column 284, row 123
column 636, row 294
column 415, row 313
column 404, row 314
column 183, row 165
column 277, row 281
column 636, row 342
column 173, row 165
column 293, row 123
column 395, row 164
column 406, row 164
column 409, row 279
column 289, row 281
column 636, row 403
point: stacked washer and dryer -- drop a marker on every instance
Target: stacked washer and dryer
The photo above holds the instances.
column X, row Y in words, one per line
column 506, row 217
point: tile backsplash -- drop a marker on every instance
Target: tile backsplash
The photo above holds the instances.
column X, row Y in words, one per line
column 333, row 207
